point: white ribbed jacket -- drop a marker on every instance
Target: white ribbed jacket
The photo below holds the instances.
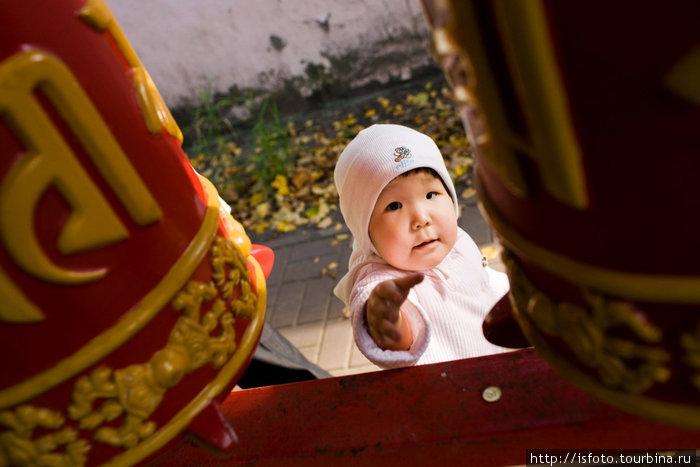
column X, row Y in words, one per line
column 446, row 310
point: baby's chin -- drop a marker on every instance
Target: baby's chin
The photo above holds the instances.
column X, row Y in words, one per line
column 413, row 266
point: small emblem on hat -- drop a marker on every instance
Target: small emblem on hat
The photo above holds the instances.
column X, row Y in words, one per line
column 402, row 153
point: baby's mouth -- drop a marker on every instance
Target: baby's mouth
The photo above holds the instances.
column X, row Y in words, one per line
column 426, row 243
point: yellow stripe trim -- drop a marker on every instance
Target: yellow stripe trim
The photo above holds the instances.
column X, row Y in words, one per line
column 685, row 415
column 132, row 322
column 211, row 391
column 542, row 92
column 155, row 112
column 16, row 307
column 643, row 287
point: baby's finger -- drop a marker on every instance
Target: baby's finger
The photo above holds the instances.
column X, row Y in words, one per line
column 405, row 283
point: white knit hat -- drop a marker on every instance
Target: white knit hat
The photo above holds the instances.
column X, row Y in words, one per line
column 375, row 157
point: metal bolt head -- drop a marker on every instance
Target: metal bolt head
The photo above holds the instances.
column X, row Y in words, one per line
column 491, row 394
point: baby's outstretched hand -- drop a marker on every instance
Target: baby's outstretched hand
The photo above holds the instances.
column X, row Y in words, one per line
column 385, row 321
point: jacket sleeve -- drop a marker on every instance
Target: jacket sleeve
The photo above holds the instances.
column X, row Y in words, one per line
column 415, row 314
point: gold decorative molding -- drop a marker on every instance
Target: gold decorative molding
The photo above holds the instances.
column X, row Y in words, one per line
column 585, row 330
column 633, row 286
column 618, row 370
column 552, row 141
column 501, row 65
column 102, row 344
column 49, row 161
column 690, row 342
column 136, row 391
column 133, row 393
column 96, row 13
column 684, row 77
column 213, row 389
column 18, row 446
column 15, row 306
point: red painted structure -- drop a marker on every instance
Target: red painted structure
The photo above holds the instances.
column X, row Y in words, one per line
column 428, row 415
column 70, row 65
column 583, row 118
column 130, row 301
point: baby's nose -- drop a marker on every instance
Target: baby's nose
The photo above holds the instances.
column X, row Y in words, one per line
column 422, row 219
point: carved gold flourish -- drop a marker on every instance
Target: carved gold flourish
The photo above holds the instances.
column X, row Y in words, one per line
column 17, row 446
column 629, row 364
column 224, row 253
column 691, row 345
column 135, row 392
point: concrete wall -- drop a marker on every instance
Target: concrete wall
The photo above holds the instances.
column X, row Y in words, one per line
column 306, row 45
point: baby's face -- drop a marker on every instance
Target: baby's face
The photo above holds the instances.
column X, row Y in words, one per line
column 413, row 224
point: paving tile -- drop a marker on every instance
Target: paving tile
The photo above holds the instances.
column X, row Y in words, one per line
column 335, row 308
column 287, row 304
column 277, row 273
column 336, row 345
column 304, row 335
column 307, row 268
column 320, row 247
column 475, row 225
column 271, row 299
column 311, row 353
column 357, row 359
column 289, row 239
column 345, row 252
column 314, row 305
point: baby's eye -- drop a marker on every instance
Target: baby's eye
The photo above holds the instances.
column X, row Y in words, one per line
column 431, row 195
column 393, row 206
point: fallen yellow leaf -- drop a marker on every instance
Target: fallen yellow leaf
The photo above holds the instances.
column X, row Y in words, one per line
column 284, row 226
column 262, row 227
column 325, row 223
column 256, row 199
column 280, row 184
column 468, row 193
column 262, row 210
column 419, row 99
column 300, row 179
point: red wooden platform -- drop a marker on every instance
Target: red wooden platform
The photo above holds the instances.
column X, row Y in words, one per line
column 427, row 415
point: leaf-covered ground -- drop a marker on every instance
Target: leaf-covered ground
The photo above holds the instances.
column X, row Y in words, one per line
column 278, row 176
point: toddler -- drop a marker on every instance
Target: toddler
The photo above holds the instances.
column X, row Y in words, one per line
column 417, row 286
